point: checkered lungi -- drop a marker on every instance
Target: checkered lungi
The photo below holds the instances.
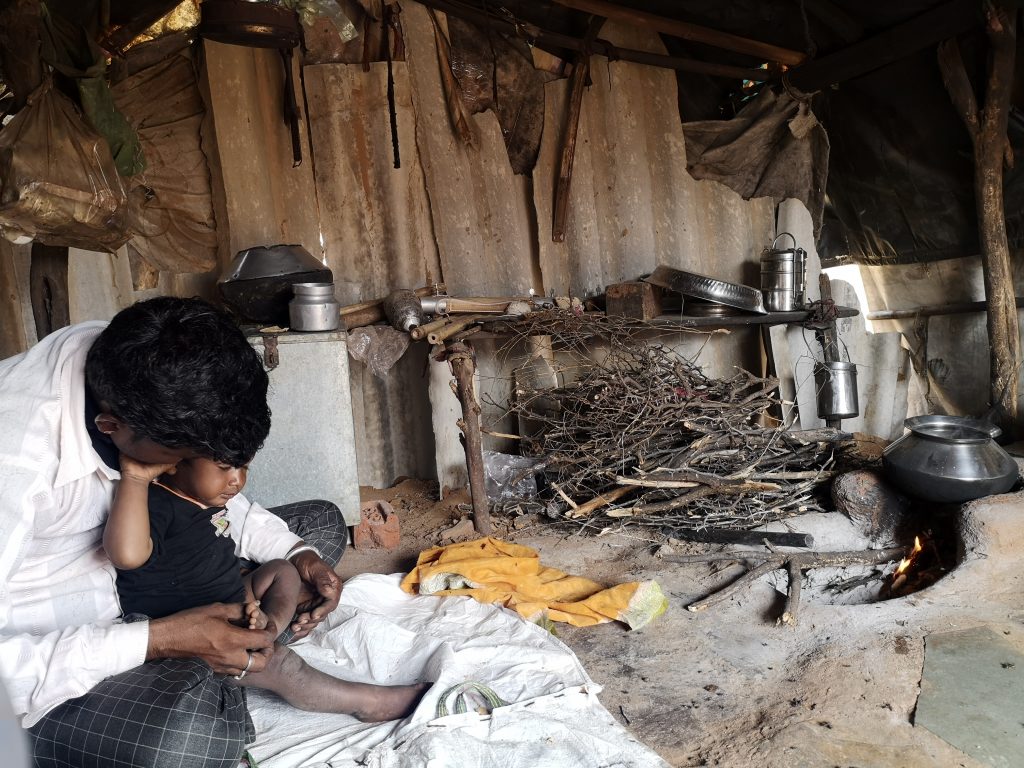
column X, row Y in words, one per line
column 170, row 712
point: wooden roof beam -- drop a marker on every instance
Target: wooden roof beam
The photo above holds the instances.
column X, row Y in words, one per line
column 557, row 44
column 924, row 30
column 687, row 31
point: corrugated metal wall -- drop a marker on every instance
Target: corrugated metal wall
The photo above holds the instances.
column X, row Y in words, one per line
column 378, row 235
column 452, row 212
column 633, row 205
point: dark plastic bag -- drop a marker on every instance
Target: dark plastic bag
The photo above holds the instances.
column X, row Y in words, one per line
column 58, row 183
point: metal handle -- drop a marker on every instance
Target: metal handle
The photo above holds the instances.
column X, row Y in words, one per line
column 781, row 234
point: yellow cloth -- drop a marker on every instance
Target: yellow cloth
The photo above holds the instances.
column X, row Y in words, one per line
column 495, row 571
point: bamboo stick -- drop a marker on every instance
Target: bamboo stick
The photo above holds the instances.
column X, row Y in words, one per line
column 450, row 329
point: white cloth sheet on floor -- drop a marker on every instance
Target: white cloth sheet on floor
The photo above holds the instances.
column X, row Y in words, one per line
column 381, row 634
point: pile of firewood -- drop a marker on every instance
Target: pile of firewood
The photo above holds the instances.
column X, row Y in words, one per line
column 641, row 435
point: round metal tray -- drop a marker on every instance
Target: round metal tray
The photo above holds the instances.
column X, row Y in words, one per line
column 701, row 308
column 709, row 289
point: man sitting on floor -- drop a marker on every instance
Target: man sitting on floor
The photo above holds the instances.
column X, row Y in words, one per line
column 167, row 379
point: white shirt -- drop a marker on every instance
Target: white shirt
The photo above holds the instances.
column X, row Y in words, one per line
column 58, row 602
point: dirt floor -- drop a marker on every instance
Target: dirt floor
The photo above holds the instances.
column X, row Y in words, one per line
column 728, row 686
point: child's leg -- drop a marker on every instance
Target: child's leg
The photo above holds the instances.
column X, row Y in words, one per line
column 276, row 586
column 304, row 687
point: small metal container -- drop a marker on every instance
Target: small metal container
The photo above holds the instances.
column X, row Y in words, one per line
column 783, row 274
column 314, row 307
column 836, row 386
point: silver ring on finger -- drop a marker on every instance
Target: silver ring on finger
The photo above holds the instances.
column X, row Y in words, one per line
column 248, row 664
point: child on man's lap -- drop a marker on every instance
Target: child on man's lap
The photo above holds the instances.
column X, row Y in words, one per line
column 168, row 535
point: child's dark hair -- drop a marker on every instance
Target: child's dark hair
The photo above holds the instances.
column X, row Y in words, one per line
column 181, row 373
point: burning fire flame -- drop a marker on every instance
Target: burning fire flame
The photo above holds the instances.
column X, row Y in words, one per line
column 906, row 562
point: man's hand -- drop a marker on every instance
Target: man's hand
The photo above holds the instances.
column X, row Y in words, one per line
column 321, row 590
column 207, row 633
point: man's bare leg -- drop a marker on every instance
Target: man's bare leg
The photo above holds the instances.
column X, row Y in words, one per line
column 276, row 587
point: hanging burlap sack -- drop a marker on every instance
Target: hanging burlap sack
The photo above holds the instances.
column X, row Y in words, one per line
column 58, row 183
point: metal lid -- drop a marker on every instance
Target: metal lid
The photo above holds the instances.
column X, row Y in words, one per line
column 953, row 429
column 271, row 261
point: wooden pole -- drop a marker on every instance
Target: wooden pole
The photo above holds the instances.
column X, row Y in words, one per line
column 828, row 338
column 557, row 44
column 987, row 129
column 580, row 73
column 932, row 310
column 687, row 31
column 892, row 44
column 463, row 362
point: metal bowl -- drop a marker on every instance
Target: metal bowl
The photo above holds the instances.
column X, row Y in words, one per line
column 709, row 289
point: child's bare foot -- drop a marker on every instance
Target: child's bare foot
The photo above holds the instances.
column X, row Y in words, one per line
column 389, row 702
column 254, row 617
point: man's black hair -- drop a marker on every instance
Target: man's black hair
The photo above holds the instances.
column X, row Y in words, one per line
column 181, row 373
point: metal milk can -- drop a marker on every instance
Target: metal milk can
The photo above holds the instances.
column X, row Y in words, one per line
column 835, row 383
column 783, row 274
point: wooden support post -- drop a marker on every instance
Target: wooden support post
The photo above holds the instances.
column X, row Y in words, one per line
column 828, row 338
column 987, row 128
column 463, row 362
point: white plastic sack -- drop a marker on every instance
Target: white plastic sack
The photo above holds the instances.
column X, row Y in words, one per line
column 380, row 634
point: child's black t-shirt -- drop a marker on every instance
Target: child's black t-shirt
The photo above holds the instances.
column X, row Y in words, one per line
column 193, row 561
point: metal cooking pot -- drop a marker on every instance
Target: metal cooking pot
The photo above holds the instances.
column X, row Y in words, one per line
column 258, row 283
column 949, row 459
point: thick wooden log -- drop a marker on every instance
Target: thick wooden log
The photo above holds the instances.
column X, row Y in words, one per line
column 796, row 577
column 987, row 129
